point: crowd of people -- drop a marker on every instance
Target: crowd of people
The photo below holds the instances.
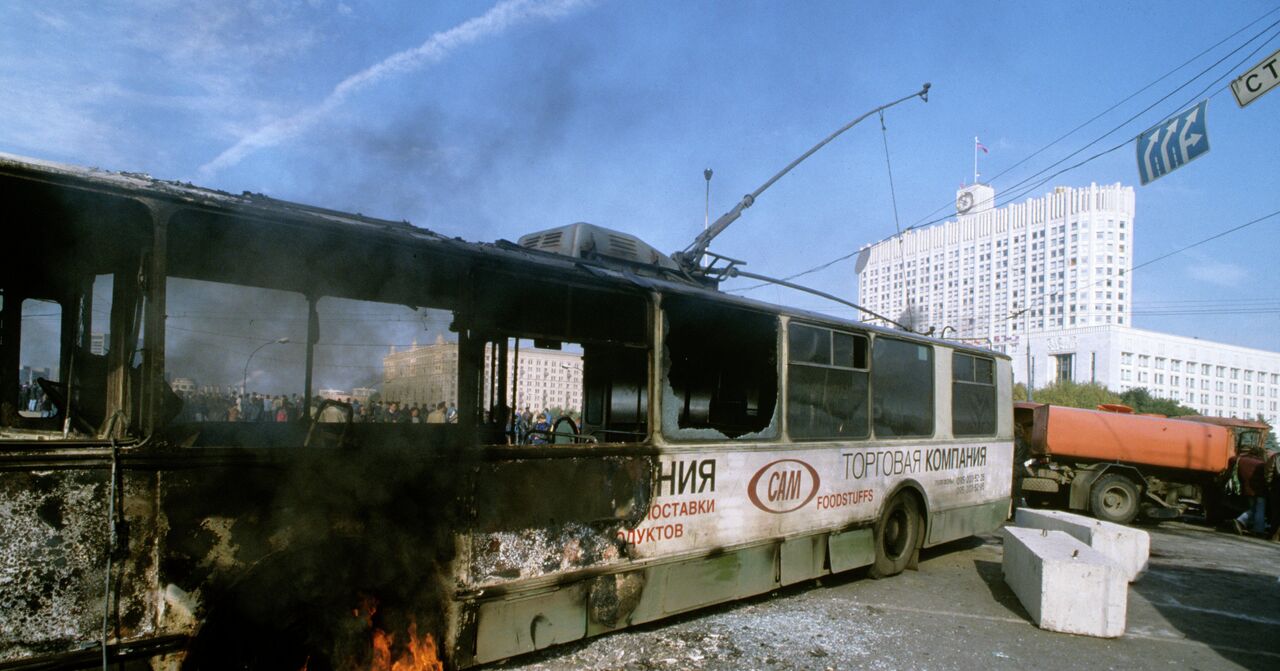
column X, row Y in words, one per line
column 34, row 401
column 255, row 407
column 531, row 428
column 525, row 427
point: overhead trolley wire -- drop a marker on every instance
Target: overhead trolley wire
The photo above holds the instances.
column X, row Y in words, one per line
column 1126, row 122
column 1040, row 301
column 1103, row 113
column 1021, row 188
column 1031, row 187
column 1025, row 186
column 1210, row 301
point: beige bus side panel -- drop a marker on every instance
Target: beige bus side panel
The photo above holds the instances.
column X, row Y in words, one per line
column 852, row 549
column 508, row 628
column 803, row 558
column 948, row 525
column 730, row 576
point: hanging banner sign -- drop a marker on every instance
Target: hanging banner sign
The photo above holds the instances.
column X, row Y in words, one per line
column 1173, row 143
column 1261, row 78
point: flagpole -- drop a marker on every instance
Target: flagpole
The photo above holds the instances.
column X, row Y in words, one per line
column 975, row 159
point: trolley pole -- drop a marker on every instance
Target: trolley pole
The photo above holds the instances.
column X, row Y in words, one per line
column 706, row 216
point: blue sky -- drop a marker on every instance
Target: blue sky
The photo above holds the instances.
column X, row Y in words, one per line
column 488, row 120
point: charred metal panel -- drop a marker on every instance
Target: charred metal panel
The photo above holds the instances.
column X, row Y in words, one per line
column 53, row 559
column 566, row 312
column 533, row 493
column 217, row 521
column 503, row 556
column 543, row 516
column 612, row 598
column 220, row 519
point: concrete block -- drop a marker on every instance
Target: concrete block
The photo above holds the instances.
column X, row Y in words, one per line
column 1126, row 546
column 1064, row 584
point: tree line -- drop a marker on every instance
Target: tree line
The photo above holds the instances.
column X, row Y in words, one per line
column 1091, row 394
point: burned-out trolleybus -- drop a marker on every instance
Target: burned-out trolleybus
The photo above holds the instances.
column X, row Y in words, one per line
column 168, row 502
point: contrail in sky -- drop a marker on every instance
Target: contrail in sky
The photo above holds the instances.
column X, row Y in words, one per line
column 436, row 48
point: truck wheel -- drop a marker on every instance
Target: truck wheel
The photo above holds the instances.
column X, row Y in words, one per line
column 1114, row 499
column 896, row 534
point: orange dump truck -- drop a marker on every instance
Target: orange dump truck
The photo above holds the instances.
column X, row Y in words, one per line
column 1115, row 464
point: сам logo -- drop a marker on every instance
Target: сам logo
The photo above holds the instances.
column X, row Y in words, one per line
column 783, row 486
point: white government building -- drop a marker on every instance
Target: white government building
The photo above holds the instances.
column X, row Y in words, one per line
column 428, row 374
column 1055, row 271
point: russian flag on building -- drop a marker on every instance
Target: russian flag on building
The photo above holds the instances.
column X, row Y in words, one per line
column 981, row 146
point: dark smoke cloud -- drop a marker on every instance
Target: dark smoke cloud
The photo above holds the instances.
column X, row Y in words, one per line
column 440, row 171
column 414, row 162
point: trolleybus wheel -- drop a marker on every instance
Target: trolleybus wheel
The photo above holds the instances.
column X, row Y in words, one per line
column 1114, row 499
column 896, row 534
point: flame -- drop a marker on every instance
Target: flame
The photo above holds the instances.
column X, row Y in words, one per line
column 419, row 653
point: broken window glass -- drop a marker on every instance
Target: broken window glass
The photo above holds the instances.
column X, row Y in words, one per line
column 721, row 371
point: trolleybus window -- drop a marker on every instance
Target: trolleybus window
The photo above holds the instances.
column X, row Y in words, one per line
column 826, row 384
column 973, row 395
column 41, row 357
column 566, row 350
column 721, row 371
column 901, row 388
column 532, row 395
column 235, row 353
column 65, row 343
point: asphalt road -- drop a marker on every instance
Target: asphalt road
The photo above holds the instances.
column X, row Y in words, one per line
column 1209, row 600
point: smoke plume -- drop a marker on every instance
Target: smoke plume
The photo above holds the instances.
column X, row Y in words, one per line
column 498, row 19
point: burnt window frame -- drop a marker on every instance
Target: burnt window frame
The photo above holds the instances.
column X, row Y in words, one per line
column 669, row 426
column 990, row 385
column 831, row 364
column 497, row 312
column 932, row 413
column 70, row 236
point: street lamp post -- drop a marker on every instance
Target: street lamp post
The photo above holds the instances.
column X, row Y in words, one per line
column 1026, row 332
column 244, row 379
column 1026, row 341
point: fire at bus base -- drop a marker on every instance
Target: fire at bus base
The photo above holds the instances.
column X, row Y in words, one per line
column 156, row 513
